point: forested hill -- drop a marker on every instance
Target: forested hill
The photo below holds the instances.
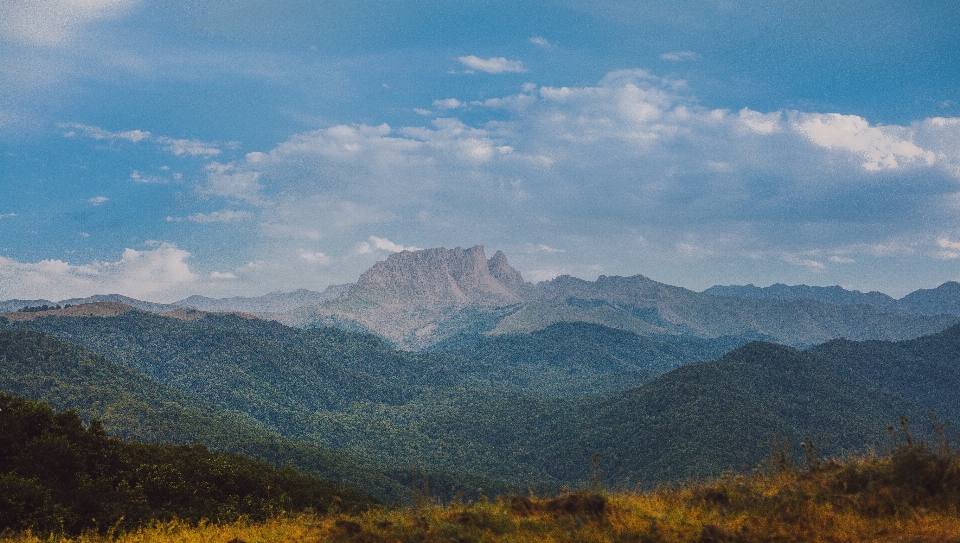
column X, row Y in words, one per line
column 580, row 358
column 56, row 474
column 135, row 407
column 505, row 414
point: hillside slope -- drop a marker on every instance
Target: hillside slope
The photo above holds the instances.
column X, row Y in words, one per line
column 134, row 407
column 507, row 416
column 577, row 358
column 704, row 418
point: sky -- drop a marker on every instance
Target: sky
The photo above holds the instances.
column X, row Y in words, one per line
column 165, row 148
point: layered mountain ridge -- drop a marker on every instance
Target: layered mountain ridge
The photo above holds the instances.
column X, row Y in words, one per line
column 419, row 298
column 942, row 300
column 416, row 299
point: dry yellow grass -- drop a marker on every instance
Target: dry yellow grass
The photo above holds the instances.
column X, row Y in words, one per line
column 693, row 513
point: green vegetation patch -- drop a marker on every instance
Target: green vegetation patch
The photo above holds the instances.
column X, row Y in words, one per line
column 57, row 474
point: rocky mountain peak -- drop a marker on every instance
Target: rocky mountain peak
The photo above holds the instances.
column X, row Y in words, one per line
column 442, row 277
column 509, row 277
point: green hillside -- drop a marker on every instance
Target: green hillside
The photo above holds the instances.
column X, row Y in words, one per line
column 513, row 411
column 924, row 371
column 133, row 407
column 56, row 474
column 579, row 358
column 704, row 418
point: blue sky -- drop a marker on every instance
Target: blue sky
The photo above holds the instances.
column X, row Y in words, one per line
column 168, row 148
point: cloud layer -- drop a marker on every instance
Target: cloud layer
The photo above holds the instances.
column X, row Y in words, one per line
column 630, row 175
column 51, row 23
column 160, row 274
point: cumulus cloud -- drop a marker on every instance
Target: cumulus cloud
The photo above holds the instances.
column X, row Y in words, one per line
column 159, row 274
column 97, row 200
column 881, row 147
column 8, row 215
column 493, row 65
column 596, row 168
column 50, row 23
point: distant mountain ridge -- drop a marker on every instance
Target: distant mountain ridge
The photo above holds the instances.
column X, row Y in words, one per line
column 942, row 300
column 416, row 299
column 832, row 295
column 275, row 302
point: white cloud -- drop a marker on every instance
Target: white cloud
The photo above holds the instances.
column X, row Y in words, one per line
column 421, row 111
column 540, row 41
column 492, row 65
column 382, row 244
column 223, row 276
column 97, row 133
column 225, row 216
column 179, row 147
column 159, row 274
column 813, row 265
column 138, row 177
column 50, row 23
column 880, row 146
column 679, row 56
column 541, row 248
column 229, row 181
column 314, row 257
column 97, row 200
column 949, row 249
column 589, row 167
column 8, row 216
column 449, row 103
column 759, row 122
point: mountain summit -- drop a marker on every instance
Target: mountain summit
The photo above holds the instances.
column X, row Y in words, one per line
column 416, row 298
column 440, row 278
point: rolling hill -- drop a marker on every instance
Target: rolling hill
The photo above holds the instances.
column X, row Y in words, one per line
column 497, row 411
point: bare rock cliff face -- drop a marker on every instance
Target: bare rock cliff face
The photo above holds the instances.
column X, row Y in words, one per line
column 440, row 277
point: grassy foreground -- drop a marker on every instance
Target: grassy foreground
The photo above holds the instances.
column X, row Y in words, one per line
column 911, row 494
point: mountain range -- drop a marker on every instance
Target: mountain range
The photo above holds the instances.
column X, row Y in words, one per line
column 943, row 300
column 416, row 299
column 449, row 361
